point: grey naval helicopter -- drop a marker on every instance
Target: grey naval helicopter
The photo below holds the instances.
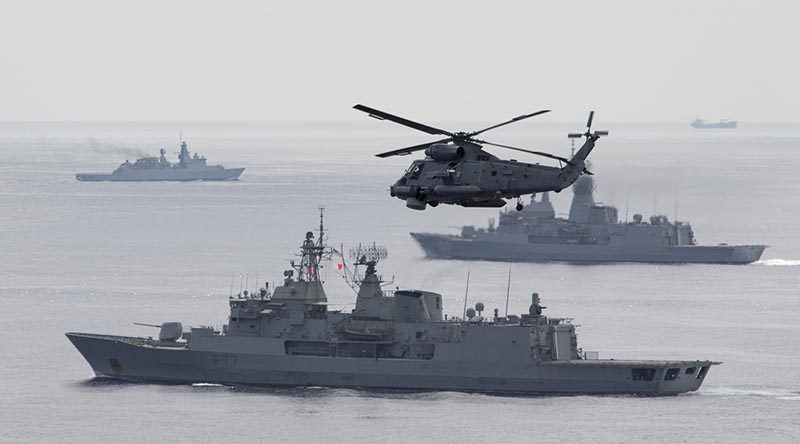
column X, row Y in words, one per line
column 457, row 171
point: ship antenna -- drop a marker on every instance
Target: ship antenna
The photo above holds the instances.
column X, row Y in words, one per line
column 627, row 199
column 466, row 292
column 241, row 280
column 230, row 296
column 321, row 226
column 508, row 288
column 676, row 204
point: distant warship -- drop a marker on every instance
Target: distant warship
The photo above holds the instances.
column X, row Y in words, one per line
column 159, row 168
column 700, row 123
column 592, row 233
column 391, row 339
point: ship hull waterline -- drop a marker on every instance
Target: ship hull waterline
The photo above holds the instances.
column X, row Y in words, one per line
column 438, row 246
column 176, row 175
column 122, row 358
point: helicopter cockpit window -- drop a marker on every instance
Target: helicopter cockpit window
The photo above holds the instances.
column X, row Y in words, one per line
column 414, row 170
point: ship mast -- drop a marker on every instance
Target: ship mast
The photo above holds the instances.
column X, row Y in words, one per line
column 313, row 253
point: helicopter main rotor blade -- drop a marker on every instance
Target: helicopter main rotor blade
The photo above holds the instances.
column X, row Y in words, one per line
column 515, row 119
column 411, row 149
column 538, row 153
column 589, row 122
column 378, row 114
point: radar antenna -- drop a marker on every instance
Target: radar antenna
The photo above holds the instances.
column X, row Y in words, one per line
column 368, row 256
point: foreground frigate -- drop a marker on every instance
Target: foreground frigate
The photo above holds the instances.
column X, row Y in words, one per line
column 189, row 167
column 592, row 233
column 391, row 339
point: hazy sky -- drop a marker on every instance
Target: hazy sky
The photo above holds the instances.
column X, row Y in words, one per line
column 429, row 60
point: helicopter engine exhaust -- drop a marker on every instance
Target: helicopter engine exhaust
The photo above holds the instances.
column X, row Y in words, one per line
column 444, row 152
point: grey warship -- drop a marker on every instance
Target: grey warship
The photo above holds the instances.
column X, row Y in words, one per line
column 591, row 234
column 392, row 339
column 189, row 167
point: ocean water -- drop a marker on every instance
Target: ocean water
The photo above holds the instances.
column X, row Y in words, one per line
column 97, row 257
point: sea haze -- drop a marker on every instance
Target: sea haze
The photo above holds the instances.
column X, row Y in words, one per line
column 97, row 257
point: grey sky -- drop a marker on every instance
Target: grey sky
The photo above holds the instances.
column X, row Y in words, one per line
column 430, row 60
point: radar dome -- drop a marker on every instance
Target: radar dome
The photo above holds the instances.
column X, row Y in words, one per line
column 470, row 312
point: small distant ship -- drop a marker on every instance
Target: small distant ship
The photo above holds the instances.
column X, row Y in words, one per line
column 189, row 167
column 700, row 123
column 591, row 234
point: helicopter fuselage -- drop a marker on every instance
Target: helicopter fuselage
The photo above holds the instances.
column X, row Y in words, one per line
column 464, row 174
column 457, row 170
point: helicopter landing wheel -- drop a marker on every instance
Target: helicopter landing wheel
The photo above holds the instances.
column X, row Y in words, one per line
column 519, row 206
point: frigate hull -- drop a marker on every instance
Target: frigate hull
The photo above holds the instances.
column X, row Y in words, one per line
column 440, row 246
column 164, row 174
column 263, row 362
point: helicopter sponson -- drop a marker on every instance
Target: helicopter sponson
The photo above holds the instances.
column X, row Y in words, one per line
column 458, row 171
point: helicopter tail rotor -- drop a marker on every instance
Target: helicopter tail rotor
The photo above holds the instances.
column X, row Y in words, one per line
column 589, row 134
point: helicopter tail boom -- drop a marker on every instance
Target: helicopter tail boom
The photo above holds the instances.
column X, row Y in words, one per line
column 580, row 156
column 577, row 165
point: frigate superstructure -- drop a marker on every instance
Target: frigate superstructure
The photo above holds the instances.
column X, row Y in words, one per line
column 396, row 339
column 188, row 167
column 592, row 233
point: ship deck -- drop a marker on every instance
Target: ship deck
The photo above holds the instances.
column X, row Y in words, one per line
column 628, row 363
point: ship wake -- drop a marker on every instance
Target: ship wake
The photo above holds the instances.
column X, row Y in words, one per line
column 775, row 393
column 778, row 262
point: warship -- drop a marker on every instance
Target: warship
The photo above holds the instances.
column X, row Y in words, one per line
column 392, row 339
column 591, row 234
column 189, row 167
column 702, row 124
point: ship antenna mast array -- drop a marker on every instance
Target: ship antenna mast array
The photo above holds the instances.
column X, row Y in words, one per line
column 312, row 253
column 321, row 239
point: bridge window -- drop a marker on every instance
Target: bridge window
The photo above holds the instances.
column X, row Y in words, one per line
column 643, row 374
column 702, row 373
column 690, row 370
column 672, row 374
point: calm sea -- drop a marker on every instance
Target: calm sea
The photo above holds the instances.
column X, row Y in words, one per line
column 97, row 257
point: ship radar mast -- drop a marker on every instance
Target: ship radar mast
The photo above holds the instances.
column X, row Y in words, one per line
column 367, row 256
column 312, row 253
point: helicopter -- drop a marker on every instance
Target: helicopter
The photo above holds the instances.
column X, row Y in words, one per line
column 458, row 171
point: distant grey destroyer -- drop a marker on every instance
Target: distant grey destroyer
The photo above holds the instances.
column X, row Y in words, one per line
column 391, row 339
column 592, row 233
column 160, row 169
